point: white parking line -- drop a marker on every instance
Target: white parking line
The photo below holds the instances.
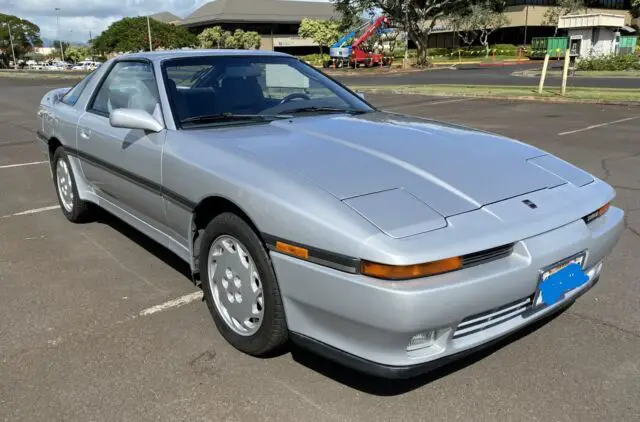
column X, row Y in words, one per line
column 598, row 125
column 33, row 163
column 175, row 303
column 32, row 211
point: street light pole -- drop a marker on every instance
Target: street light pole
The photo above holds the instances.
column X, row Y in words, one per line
column 59, row 40
column 13, row 52
column 149, row 31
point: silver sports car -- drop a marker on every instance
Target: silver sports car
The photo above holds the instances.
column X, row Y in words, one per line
column 389, row 243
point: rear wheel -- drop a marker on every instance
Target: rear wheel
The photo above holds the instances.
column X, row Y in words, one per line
column 74, row 209
column 240, row 287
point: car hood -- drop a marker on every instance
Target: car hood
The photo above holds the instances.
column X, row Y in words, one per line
column 451, row 169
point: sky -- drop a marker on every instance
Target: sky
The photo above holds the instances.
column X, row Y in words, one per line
column 79, row 18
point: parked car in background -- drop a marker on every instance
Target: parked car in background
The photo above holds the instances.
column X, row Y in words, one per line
column 389, row 243
column 86, row 65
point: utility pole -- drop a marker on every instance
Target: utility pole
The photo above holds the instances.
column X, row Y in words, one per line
column 526, row 23
column 59, row 40
column 149, row 31
column 13, row 52
column 406, row 36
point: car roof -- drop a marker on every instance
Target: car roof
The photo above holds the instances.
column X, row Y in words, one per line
column 172, row 54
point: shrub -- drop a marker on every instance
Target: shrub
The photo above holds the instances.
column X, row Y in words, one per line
column 314, row 58
column 612, row 62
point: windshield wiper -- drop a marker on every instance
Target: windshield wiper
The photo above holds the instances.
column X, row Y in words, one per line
column 326, row 109
column 229, row 117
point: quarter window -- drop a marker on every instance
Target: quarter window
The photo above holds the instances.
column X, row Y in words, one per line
column 71, row 97
column 128, row 85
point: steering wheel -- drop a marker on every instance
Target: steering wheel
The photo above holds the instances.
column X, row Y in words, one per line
column 293, row 96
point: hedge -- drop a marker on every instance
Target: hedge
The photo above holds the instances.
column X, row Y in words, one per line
column 627, row 62
column 467, row 52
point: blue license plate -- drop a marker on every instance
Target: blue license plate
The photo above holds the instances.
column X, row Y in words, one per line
column 557, row 281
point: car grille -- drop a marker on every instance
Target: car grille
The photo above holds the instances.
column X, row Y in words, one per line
column 493, row 317
column 487, row 255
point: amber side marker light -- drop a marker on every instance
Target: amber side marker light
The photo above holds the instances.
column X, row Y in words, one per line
column 598, row 213
column 292, row 250
column 404, row 272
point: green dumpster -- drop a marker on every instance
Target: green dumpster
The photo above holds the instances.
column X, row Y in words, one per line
column 627, row 45
column 554, row 46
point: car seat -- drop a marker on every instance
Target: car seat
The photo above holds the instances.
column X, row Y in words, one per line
column 242, row 94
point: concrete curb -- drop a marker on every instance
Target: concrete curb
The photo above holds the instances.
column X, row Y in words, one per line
column 37, row 74
column 555, row 100
column 579, row 74
column 355, row 73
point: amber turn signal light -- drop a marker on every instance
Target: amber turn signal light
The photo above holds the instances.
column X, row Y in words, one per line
column 403, row 272
column 599, row 212
column 292, row 250
column 604, row 208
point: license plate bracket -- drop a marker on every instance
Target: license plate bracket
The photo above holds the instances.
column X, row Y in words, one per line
column 560, row 279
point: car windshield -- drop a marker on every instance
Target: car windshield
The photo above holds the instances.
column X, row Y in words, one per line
column 252, row 88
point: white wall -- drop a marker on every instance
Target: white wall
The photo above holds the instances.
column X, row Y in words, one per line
column 602, row 44
column 585, row 45
column 605, row 44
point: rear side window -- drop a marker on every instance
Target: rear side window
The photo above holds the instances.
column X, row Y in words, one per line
column 71, row 97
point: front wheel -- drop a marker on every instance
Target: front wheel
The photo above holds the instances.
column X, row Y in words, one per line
column 240, row 287
column 74, row 209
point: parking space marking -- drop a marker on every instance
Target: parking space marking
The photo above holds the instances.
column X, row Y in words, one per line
column 598, row 125
column 33, row 163
column 175, row 303
column 32, row 211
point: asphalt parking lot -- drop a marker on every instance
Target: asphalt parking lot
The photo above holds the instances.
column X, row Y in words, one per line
column 90, row 328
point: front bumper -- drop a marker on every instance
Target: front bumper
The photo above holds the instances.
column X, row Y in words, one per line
column 367, row 323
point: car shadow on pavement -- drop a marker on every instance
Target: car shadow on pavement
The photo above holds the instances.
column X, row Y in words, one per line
column 148, row 244
column 391, row 387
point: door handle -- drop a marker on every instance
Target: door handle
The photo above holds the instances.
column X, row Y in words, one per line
column 85, row 133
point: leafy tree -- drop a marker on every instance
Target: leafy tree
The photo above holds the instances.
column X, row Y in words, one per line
column 635, row 8
column 77, row 54
column 464, row 25
column 130, row 34
column 417, row 17
column 37, row 57
column 563, row 7
column 215, row 37
column 25, row 34
column 246, row 40
column 322, row 32
column 212, row 37
column 229, row 40
column 478, row 22
column 56, row 45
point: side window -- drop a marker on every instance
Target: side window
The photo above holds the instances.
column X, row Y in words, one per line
column 71, row 97
column 128, row 85
column 188, row 76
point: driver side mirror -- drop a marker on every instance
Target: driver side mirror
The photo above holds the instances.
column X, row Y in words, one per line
column 132, row 118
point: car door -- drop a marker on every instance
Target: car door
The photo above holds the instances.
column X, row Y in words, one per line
column 123, row 165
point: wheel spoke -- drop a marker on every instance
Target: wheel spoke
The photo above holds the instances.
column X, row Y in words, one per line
column 65, row 185
column 234, row 278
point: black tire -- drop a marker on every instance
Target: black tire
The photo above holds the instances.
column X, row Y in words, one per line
column 273, row 333
column 80, row 210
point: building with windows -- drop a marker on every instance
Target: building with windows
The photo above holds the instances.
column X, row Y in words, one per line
column 277, row 21
column 527, row 20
